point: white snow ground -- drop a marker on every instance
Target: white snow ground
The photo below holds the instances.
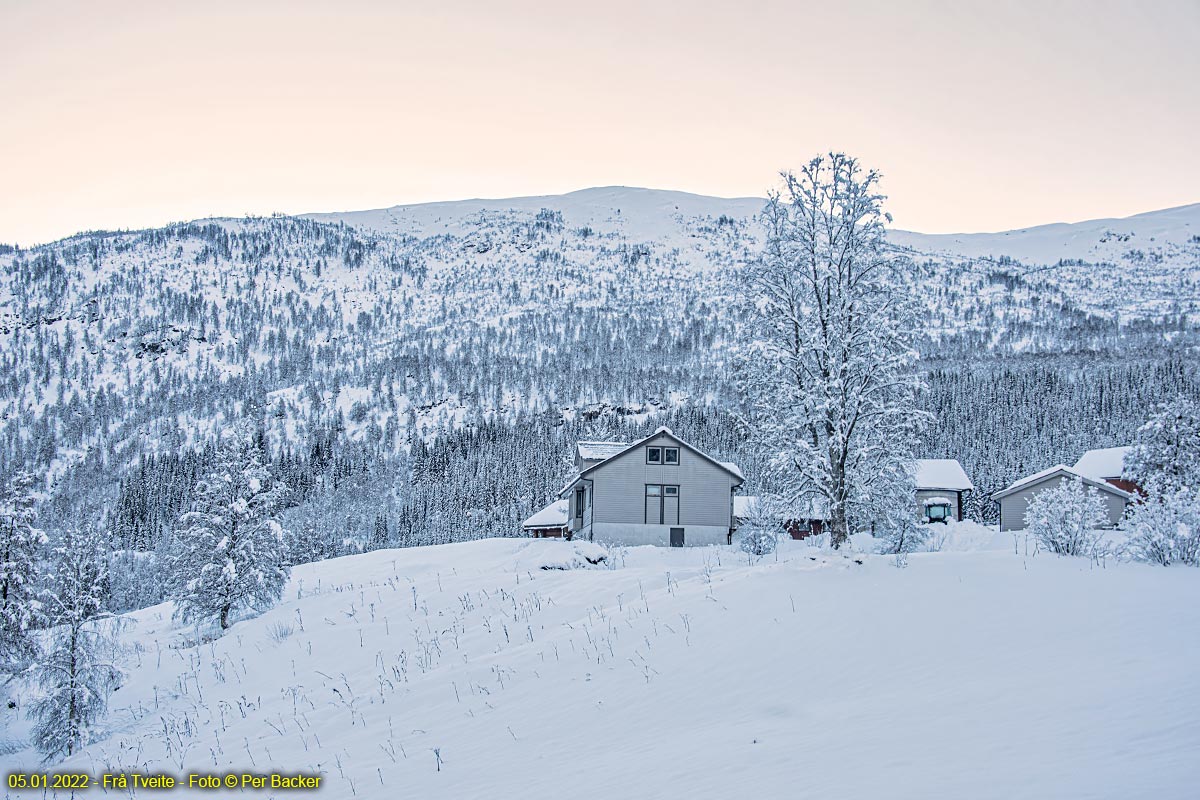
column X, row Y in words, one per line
column 682, row 673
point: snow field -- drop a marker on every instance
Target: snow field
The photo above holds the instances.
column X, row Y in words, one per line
column 466, row 670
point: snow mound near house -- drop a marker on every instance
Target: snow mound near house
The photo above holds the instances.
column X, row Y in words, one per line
column 966, row 536
column 558, row 554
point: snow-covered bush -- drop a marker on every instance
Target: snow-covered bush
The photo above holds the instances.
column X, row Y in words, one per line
column 1165, row 457
column 903, row 535
column 757, row 542
column 1166, row 530
column 1064, row 519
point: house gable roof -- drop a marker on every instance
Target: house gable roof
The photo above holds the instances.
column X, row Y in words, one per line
column 1064, row 471
column 598, row 451
column 726, row 466
column 942, row 473
column 1108, row 462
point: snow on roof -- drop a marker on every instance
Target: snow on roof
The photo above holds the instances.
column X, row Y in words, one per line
column 552, row 516
column 938, row 501
column 570, row 482
column 597, row 447
column 598, row 451
column 1108, row 462
column 942, row 473
column 1068, row 472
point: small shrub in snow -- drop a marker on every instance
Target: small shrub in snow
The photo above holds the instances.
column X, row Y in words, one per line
column 280, row 631
column 1166, row 530
column 757, row 542
column 904, row 536
column 1064, row 519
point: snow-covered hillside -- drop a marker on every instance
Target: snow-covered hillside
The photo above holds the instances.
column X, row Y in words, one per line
column 630, row 212
column 467, row 671
column 355, row 336
column 1141, row 266
column 1169, row 232
column 1147, row 264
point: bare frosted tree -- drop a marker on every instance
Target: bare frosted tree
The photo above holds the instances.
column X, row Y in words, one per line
column 831, row 369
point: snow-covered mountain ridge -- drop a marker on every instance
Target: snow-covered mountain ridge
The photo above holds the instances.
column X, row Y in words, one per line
column 1135, row 266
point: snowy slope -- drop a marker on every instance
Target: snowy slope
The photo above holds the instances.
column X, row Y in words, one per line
column 641, row 213
column 1140, row 266
column 679, row 673
column 636, row 213
column 1095, row 240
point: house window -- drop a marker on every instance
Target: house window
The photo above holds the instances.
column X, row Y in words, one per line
column 670, row 455
column 579, row 503
column 654, row 455
column 662, row 504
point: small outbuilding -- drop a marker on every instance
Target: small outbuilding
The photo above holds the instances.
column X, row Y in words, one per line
column 1014, row 501
column 549, row 523
column 941, row 485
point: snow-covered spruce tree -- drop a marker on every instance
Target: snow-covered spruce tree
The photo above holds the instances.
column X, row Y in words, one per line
column 20, row 546
column 830, row 370
column 77, row 670
column 1165, row 457
column 1065, row 519
column 229, row 552
column 1165, row 529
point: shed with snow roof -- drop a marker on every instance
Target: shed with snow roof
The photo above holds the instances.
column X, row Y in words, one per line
column 1014, row 501
column 550, row 522
column 941, row 483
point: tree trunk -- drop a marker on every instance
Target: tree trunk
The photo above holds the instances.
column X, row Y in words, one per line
column 225, row 609
column 839, row 532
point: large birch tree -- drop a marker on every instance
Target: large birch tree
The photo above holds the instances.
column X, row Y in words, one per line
column 831, row 370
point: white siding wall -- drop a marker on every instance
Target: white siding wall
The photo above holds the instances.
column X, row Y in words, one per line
column 704, row 488
column 631, row 535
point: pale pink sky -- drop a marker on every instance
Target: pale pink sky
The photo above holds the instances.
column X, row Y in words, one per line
column 981, row 115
